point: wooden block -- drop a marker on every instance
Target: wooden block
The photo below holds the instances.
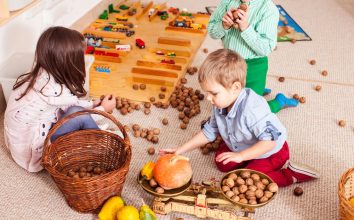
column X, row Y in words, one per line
column 159, row 82
column 158, row 65
column 161, row 57
column 189, row 30
column 108, row 34
column 108, row 59
column 174, row 41
column 147, row 7
column 154, row 72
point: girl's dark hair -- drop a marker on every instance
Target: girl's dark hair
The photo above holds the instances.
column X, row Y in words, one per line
column 60, row 52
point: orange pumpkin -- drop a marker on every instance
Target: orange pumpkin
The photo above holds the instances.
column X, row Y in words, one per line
column 172, row 171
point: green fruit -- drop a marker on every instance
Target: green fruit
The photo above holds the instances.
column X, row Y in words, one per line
column 146, row 213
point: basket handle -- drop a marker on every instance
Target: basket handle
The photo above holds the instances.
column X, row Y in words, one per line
column 83, row 112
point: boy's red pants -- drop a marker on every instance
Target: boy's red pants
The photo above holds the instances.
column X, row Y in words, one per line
column 272, row 166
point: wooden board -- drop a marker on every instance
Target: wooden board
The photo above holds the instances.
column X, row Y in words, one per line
column 144, row 65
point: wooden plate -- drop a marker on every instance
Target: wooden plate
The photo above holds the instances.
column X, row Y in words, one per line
column 168, row 193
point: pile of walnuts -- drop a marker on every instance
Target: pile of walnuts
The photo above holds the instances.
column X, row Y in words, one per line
column 186, row 101
column 247, row 187
column 126, row 106
column 212, row 146
column 85, row 171
column 150, row 134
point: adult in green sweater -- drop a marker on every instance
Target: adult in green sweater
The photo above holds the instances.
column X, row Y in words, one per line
column 253, row 35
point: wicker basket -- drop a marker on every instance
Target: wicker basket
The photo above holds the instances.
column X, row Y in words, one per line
column 88, row 147
column 346, row 192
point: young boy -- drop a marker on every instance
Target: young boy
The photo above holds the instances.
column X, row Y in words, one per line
column 254, row 36
column 253, row 137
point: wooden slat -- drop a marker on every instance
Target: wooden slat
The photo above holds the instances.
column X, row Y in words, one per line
column 189, row 30
column 158, row 65
column 147, row 7
column 108, row 59
column 161, row 57
column 174, row 41
column 154, row 72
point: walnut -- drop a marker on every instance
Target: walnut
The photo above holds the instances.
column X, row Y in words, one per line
column 273, row 187
column 245, row 174
column 147, row 104
column 230, row 182
column 163, row 88
column 281, row 79
column 298, row 191
column 165, row 121
column 161, row 96
column 147, row 111
column 302, row 100
column 159, row 190
column 142, row 86
column 324, row 73
column 151, row 150
column 296, row 96
column 225, row 188
column 318, row 88
column 312, row 62
column 135, row 87
column 255, row 177
column 152, row 99
column 205, row 50
column 153, row 183
column 341, row 123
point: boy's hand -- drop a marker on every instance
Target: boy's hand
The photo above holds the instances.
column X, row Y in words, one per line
column 229, row 157
column 108, row 103
column 227, row 19
column 242, row 21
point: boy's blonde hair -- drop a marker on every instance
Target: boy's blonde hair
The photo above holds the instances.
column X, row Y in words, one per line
column 225, row 67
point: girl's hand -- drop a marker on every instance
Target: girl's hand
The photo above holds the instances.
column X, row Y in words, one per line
column 228, row 19
column 229, row 157
column 96, row 102
column 108, row 103
column 242, row 21
column 167, row 151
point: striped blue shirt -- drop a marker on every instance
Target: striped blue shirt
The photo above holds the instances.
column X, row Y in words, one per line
column 259, row 39
column 248, row 121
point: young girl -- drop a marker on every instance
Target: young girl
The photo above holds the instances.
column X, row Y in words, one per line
column 254, row 36
column 48, row 92
column 253, row 136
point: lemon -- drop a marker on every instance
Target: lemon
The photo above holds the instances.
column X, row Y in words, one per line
column 128, row 213
column 351, row 201
column 110, row 208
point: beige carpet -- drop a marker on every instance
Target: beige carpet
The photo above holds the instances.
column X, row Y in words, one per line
column 314, row 136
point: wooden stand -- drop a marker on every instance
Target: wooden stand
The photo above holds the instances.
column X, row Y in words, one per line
column 202, row 201
column 163, row 61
